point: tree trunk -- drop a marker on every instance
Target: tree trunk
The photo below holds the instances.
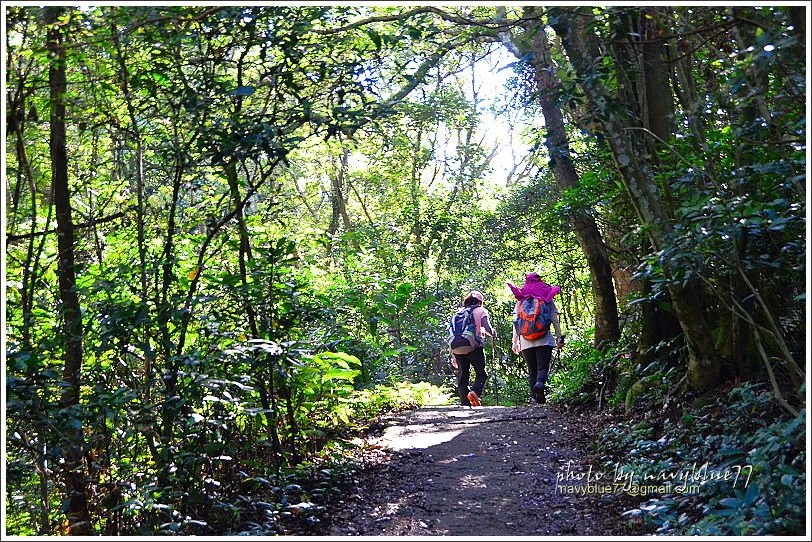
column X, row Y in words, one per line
column 338, row 200
column 657, row 105
column 245, row 254
column 684, row 87
column 734, row 338
column 77, row 512
column 170, row 401
column 582, row 50
column 658, row 96
column 657, row 324
column 245, row 246
column 589, row 237
column 30, row 268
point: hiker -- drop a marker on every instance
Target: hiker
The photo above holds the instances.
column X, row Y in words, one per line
column 475, row 317
column 536, row 345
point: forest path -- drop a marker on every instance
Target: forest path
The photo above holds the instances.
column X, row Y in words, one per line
column 483, row 471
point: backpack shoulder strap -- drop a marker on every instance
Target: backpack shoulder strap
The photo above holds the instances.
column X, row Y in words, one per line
column 481, row 315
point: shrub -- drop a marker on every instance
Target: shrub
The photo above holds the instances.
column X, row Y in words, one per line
column 742, row 433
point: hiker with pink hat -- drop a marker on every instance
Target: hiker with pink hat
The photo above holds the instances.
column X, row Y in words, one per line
column 535, row 312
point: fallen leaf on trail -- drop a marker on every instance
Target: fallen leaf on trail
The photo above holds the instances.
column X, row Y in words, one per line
column 302, row 507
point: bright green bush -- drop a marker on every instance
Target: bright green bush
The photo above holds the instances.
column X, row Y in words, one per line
column 581, row 373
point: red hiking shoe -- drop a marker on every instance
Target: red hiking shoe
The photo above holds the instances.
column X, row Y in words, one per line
column 474, row 398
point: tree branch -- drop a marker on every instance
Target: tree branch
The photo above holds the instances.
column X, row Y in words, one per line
column 179, row 19
column 20, row 237
column 489, row 24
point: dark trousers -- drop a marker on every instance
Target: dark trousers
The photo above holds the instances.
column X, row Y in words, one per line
column 475, row 358
column 538, row 364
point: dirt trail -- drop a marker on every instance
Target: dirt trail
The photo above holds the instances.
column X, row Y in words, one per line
column 485, row 471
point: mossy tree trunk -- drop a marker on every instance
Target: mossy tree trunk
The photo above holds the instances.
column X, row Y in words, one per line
column 636, row 172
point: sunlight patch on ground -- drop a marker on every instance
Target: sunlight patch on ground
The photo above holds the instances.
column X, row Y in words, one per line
column 427, row 426
column 406, row 438
column 470, row 480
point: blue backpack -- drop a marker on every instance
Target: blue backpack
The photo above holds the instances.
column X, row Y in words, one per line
column 462, row 331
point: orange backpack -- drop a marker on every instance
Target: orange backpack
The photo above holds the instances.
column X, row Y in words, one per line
column 533, row 319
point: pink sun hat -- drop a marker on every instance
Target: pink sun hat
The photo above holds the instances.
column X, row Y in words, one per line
column 534, row 287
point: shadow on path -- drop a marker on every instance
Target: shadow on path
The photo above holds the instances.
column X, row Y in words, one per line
column 478, row 472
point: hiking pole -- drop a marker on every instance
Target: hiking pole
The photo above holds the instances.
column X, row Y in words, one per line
column 557, row 357
column 495, row 365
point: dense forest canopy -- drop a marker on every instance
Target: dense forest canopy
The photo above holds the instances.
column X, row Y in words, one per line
column 231, row 230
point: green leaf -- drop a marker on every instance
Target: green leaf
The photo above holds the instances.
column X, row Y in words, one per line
column 375, row 37
column 339, row 374
column 348, row 359
column 752, row 494
column 726, row 512
column 242, row 91
column 730, row 502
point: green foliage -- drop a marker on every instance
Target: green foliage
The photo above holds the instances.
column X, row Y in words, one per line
column 576, row 371
column 583, row 374
column 741, row 433
column 277, row 208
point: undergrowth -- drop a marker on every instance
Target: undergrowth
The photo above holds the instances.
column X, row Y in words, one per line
column 294, row 501
column 732, row 465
